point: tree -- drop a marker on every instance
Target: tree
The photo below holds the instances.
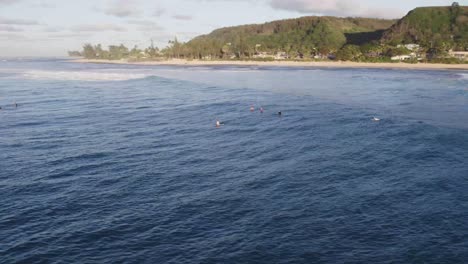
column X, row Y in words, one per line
column 135, row 52
column 349, row 52
column 174, row 49
column 152, row 51
column 391, row 52
column 118, row 52
column 99, row 51
column 89, row 52
column 74, row 53
column 371, row 50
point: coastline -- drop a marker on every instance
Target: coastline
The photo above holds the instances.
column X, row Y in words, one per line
column 320, row 64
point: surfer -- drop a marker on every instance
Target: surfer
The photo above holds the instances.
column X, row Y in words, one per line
column 218, row 124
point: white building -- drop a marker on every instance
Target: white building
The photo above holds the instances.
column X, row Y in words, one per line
column 281, row 55
column 412, row 47
column 402, row 57
column 462, row 55
column 263, row 55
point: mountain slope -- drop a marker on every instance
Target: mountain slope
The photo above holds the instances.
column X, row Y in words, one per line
column 430, row 26
column 301, row 33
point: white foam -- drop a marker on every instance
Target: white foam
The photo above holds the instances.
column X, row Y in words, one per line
column 464, row 76
column 82, row 75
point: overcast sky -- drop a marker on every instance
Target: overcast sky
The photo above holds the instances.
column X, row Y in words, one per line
column 51, row 27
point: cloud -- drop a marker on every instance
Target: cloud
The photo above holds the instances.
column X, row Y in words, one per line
column 8, row 28
column 69, row 35
column 187, row 35
column 145, row 25
column 97, row 28
column 9, row 2
column 182, row 17
column 341, row 8
column 142, row 22
column 159, row 12
column 15, row 21
column 53, row 29
column 122, row 8
column 44, row 4
column 15, row 37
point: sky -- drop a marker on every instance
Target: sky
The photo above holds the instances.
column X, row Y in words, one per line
column 52, row 27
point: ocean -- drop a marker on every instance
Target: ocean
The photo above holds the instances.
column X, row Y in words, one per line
column 124, row 164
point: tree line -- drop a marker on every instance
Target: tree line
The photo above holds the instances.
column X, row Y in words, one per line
column 240, row 49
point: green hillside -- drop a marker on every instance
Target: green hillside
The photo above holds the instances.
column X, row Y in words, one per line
column 301, row 35
column 429, row 26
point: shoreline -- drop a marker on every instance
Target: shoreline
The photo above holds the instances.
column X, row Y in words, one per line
column 318, row 64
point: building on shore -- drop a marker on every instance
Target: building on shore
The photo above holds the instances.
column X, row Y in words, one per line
column 412, row 47
column 263, row 55
column 280, row 55
column 461, row 55
column 411, row 56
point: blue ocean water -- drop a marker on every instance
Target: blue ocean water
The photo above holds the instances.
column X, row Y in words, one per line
column 124, row 164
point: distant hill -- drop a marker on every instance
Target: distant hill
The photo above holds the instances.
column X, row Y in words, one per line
column 304, row 33
column 431, row 26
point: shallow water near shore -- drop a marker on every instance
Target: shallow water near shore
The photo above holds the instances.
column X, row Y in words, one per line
column 123, row 163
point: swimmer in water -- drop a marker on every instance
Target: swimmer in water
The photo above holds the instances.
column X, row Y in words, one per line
column 16, row 105
column 279, row 113
column 252, row 108
column 261, row 110
column 218, row 124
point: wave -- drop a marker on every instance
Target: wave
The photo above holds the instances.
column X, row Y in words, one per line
column 82, row 76
column 463, row 76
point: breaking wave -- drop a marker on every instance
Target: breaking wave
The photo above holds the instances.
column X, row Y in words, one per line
column 82, row 76
column 464, row 76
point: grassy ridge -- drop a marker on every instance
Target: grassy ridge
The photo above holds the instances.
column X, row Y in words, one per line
column 299, row 34
column 431, row 26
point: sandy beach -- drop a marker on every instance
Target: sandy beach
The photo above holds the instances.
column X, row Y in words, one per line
column 329, row 64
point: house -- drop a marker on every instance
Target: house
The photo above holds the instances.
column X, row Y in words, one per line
column 402, row 57
column 412, row 47
column 263, row 55
column 461, row 55
column 281, row 55
column 320, row 56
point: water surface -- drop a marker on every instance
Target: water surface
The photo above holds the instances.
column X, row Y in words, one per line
column 115, row 163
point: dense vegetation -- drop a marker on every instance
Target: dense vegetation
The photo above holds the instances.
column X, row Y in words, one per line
column 115, row 52
column 435, row 29
column 432, row 26
column 295, row 37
